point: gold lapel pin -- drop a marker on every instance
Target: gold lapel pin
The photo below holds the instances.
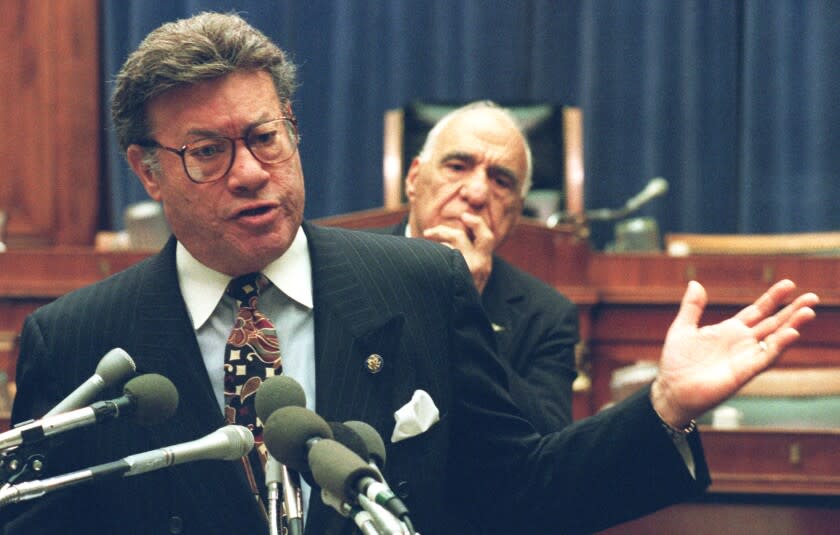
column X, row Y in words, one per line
column 374, row 363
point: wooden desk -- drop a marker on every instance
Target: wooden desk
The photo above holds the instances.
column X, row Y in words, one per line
column 31, row 278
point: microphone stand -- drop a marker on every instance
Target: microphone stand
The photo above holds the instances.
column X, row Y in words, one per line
column 272, row 478
column 655, row 187
column 292, row 505
column 277, row 476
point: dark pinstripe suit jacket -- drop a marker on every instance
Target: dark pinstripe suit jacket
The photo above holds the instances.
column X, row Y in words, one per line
column 410, row 301
column 536, row 332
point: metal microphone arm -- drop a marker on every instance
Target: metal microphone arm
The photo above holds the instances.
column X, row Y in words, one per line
column 655, row 187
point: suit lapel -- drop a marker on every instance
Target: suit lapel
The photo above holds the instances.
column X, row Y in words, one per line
column 500, row 300
column 166, row 344
column 356, row 348
column 166, row 341
column 356, row 340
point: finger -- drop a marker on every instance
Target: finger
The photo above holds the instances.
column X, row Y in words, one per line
column 779, row 341
column 781, row 316
column 692, row 305
column 447, row 235
column 770, row 347
column 793, row 316
column 747, row 365
column 483, row 237
column 767, row 303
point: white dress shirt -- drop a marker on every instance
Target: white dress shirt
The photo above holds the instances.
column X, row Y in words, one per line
column 288, row 302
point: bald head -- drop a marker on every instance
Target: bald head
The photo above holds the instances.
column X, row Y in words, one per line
column 478, row 111
column 474, row 161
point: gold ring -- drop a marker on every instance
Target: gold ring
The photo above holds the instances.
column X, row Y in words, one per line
column 762, row 345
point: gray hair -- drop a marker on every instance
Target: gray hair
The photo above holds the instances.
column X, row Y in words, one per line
column 189, row 51
column 431, row 137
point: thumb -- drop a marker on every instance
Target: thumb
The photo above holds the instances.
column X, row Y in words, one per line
column 692, row 306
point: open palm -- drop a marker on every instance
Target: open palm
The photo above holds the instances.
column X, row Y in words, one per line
column 703, row 366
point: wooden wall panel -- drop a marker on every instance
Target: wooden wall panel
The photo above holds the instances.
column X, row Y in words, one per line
column 50, row 119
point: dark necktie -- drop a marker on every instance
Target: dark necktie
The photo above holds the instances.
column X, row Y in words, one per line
column 252, row 354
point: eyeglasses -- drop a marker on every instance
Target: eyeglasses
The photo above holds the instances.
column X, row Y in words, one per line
column 210, row 158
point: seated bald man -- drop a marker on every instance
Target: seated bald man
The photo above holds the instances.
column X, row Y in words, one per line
column 465, row 189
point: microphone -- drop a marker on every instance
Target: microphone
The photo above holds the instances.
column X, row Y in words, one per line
column 228, row 443
column 346, row 476
column 303, row 441
column 655, row 187
column 115, row 366
column 149, row 398
column 275, row 393
column 381, row 494
column 346, row 435
column 373, row 442
column 363, row 519
column 290, row 432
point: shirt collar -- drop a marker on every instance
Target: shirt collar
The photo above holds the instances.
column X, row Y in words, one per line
column 203, row 287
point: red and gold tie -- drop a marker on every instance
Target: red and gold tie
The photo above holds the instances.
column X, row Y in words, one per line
column 252, row 354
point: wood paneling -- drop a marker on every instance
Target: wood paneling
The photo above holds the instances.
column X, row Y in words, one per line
column 31, row 278
column 752, row 515
column 50, row 89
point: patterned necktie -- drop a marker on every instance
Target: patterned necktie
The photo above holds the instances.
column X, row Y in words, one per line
column 252, row 354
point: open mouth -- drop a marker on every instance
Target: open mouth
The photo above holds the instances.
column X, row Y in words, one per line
column 254, row 211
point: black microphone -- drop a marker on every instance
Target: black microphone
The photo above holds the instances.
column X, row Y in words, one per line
column 228, row 443
column 373, row 442
column 275, row 393
column 304, row 441
column 294, row 436
column 349, row 478
column 115, row 366
column 346, row 435
column 337, row 469
column 149, row 399
column 290, row 432
column 383, row 494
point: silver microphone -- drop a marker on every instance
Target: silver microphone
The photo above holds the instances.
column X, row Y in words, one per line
column 115, row 366
column 228, row 443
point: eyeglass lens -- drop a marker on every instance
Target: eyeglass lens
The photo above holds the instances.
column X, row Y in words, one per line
column 210, row 158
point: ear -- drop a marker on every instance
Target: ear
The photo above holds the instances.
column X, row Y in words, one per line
column 411, row 178
column 135, row 155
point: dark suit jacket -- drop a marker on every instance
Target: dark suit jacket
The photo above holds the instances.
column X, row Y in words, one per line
column 410, row 301
column 536, row 332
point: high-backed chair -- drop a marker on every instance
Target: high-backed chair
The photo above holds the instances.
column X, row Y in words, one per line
column 554, row 132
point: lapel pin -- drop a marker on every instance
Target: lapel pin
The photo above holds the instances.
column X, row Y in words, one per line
column 374, row 363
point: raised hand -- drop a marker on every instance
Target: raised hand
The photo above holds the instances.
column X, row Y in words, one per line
column 476, row 243
column 703, row 366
